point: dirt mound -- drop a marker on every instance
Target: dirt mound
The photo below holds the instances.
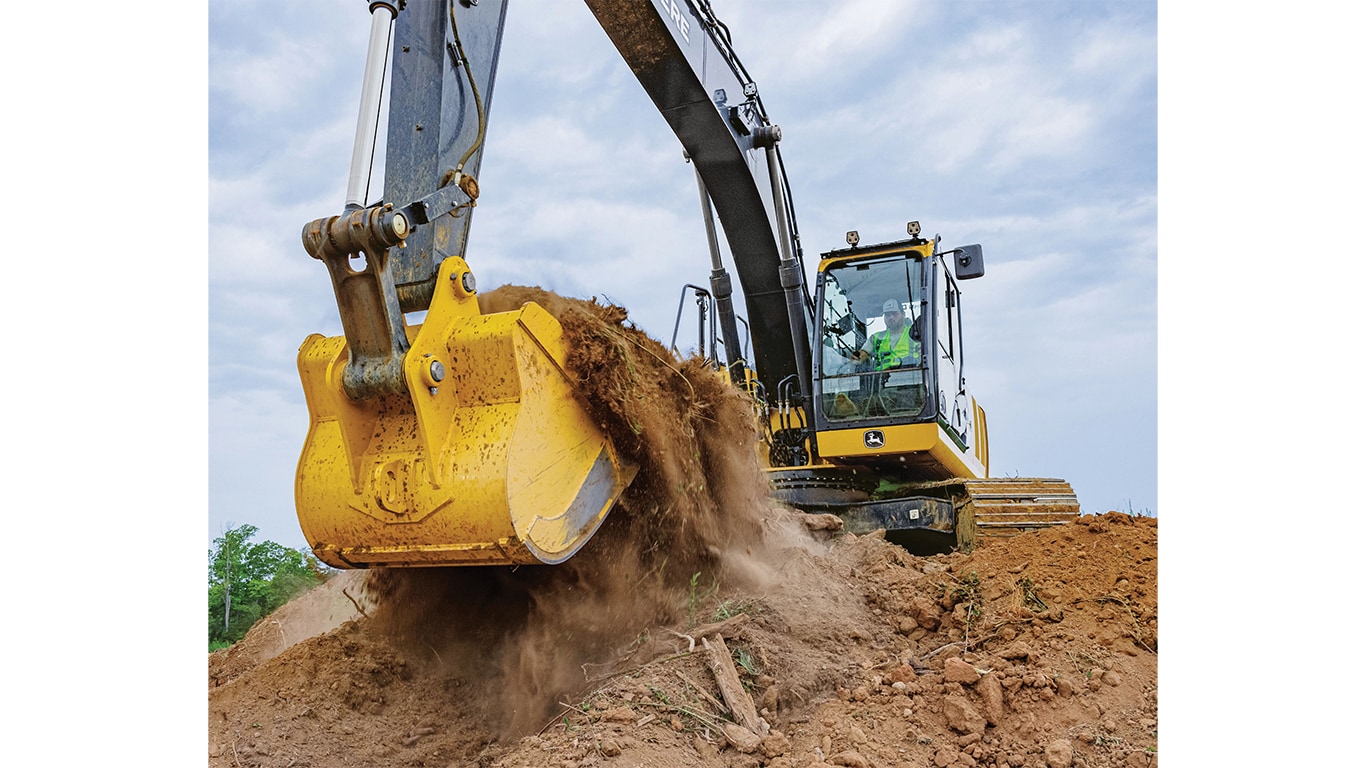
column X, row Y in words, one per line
column 700, row 605
column 1035, row 651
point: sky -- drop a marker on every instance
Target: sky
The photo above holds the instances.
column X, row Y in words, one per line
column 1030, row 128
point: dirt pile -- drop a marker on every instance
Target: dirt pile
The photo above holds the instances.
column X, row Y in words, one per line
column 701, row 605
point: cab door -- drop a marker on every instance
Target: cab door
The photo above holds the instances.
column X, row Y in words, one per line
column 955, row 402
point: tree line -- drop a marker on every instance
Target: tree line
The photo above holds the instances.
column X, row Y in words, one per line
column 248, row 580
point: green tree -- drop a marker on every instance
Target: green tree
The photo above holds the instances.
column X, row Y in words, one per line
column 249, row 580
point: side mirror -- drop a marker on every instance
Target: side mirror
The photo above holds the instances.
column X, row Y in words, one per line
column 967, row 262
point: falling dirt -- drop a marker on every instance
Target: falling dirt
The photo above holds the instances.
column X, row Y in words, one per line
column 841, row 650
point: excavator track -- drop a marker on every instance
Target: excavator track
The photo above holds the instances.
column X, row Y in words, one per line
column 1009, row 506
column 931, row 516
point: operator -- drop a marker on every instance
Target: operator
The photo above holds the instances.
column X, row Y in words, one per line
column 893, row 347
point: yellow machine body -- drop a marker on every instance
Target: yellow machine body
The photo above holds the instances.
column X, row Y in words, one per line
column 491, row 458
column 929, row 440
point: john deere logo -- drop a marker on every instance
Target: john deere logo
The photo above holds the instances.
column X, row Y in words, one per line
column 873, row 438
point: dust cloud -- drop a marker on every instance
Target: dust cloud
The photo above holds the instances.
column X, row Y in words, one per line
column 696, row 517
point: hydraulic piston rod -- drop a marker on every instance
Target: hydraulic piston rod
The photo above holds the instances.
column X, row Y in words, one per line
column 721, row 289
column 367, row 124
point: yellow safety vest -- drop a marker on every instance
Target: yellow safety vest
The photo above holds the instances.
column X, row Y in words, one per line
column 885, row 350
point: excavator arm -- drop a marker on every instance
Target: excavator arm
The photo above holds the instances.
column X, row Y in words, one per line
column 463, row 440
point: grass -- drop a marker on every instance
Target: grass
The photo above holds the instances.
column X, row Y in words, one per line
column 695, row 597
column 968, row 591
column 731, row 608
column 1031, row 599
column 745, row 660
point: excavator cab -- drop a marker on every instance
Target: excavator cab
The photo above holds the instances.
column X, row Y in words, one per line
column 888, row 385
column 872, row 362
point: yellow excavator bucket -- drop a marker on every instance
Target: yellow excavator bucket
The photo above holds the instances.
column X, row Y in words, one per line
column 490, row 458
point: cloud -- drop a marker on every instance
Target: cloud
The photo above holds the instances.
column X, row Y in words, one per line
column 834, row 42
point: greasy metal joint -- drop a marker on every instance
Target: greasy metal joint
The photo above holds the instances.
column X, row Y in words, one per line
column 366, row 297
column 766, row 136
column 365, row 230
column 463, row 283
column 469, row 185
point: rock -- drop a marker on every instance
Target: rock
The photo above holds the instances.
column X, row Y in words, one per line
column 1138, row 760
column 993, row 698
column 769, row 700
column 1058, row 754
column 743, row 739
column 1111, row 677
column 1065, row 687
column 902, row 674
column 961, row 715
column 925, row 612
column 619, row 715
column 775, row 744
column 609, row 747
column 959, row 671
column 945, row 757
column 1017, row 650
column 850, row 759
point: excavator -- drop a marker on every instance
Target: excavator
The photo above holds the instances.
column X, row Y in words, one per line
column 461, row 441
